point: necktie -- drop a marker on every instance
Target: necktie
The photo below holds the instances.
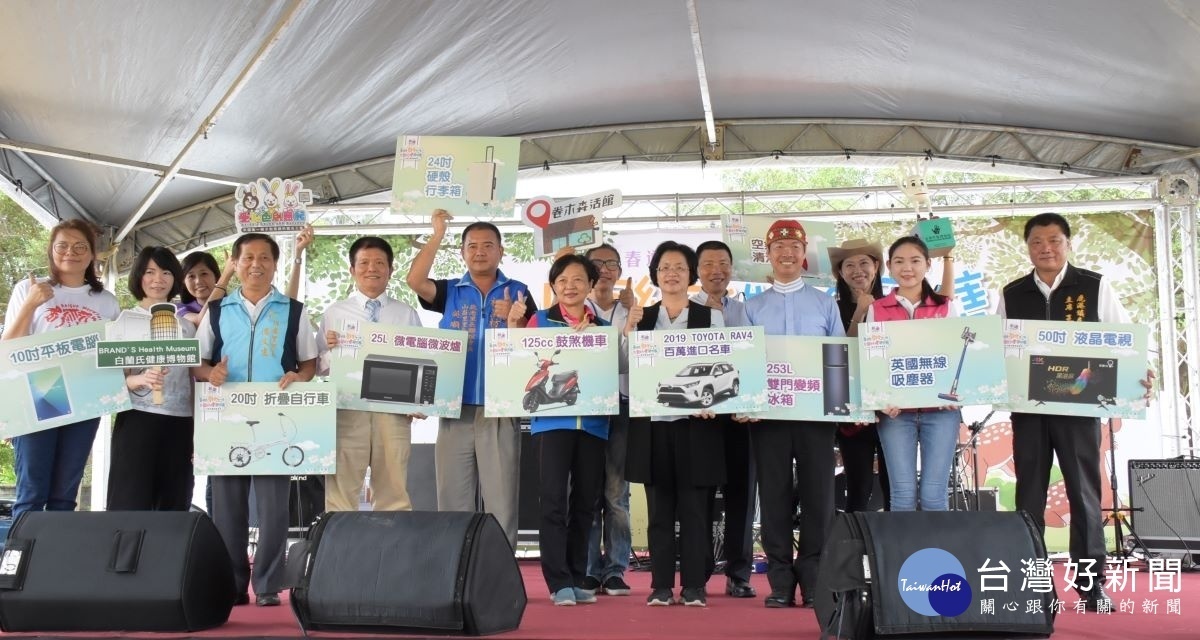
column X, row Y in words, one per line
column 373, row 310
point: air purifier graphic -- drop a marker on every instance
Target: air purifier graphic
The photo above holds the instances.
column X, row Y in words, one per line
column 481, row 179
column 835, row 374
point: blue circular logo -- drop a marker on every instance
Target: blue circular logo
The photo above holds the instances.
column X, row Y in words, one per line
column 932, row 582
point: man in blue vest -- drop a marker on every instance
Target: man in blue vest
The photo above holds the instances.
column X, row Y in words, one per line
column 1058, row 290
column 474, row 455
column 255, row 334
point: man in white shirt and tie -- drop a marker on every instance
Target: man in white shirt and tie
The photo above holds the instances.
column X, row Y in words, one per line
column 381, row 441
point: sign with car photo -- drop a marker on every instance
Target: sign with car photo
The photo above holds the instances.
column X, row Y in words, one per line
column 258, row 429
column 685, row 371
column 551, row 372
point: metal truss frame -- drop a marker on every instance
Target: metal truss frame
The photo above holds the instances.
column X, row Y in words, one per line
column 1178, row 286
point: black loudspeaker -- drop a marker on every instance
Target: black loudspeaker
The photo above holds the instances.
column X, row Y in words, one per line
column 406, row 571
column 115, row 571
column 1165, row 498
column 930, row 573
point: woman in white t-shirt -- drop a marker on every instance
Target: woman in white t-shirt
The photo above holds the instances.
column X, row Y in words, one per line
column 152, row 442
column 49, row 463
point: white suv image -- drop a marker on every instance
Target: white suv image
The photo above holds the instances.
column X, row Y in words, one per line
column 700, row 383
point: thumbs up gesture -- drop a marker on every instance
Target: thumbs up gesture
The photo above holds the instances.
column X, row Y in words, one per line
column 627, row 297
column 39, row 292
column 635, row 316
column 517, row 310
column 501, row 307
column 219, row 372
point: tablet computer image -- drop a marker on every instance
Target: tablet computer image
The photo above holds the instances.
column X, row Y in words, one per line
column 1072, row 379
column 48, row 390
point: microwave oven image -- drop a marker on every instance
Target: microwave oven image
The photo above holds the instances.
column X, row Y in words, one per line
column 398, row 379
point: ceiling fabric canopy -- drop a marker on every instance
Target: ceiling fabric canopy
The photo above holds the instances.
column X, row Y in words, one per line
column 297, row 87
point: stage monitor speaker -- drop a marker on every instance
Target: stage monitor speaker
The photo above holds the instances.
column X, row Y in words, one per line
column 925, row 572
column 1165, row 498
column 406, row 571
column 115, row 571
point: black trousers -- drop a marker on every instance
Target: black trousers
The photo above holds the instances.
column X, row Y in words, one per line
column 783, row 448
column 571, row 478
column 231, row 514
column 739, row 492
column 858, row 463
column 1076, row 442
column 151, row 462
column 671, row 497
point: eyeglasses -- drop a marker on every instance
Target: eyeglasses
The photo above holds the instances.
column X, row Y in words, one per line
column 80, row 248
column 674, row 269
column 611, row 265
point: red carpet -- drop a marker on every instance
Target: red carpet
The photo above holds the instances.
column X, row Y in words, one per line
column 628, row 618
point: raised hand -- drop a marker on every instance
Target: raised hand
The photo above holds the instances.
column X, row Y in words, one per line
column 304, row 238
column 500, row 308
column 219, row 373
column 627, row 297
column 441, row 220
column 635, row 316
column 565, row 251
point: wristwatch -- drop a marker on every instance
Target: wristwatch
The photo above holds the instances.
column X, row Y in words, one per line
column 298, row 260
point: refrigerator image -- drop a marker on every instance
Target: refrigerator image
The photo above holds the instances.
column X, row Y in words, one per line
column 481, row 179
column 835, row 378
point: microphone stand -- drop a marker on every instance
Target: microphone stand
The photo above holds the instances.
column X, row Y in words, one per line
column 1118, row 514
column 972, row 442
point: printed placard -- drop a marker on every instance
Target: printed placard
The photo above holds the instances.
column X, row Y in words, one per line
column 682, row 372
column 932, row 363
column 1075, row 368
column 576, row 222
column 271, row 206
column 746, row 236
column 814, row 378
column 551, row 372
column 467, row 176
column 258, row 429
column 399, row 369
column 50, row 379
column 148, row 353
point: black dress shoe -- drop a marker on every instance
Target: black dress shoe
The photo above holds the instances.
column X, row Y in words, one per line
column 738, row 588
column 780, row 600
column 806, row 601
column 1096, row 599
column 241, row 600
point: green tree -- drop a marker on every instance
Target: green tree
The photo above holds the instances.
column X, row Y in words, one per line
column 23, row 243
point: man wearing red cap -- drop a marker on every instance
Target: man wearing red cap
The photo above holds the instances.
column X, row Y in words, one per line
column 781, row 447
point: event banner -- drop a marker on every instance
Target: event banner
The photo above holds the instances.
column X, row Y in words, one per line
column 258, row 429
column 399, row 369
column 52, row 380
column 746, row 236
column 469, row 177
column 271, row 206
column 814, row 378
column 551, row 372
column 682, row 372
column 1078, row 369
column 932, row 363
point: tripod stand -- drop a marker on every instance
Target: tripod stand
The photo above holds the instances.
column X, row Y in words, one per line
column 959, row 487
column 1118, row 515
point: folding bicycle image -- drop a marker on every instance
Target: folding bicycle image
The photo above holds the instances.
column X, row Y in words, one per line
column 242, row 453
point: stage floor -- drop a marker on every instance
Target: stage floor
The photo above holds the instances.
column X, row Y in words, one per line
column 628, row 617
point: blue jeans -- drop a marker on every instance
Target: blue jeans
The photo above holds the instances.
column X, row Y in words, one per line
column 49, row 466
column 612, row 519
column 936, row 431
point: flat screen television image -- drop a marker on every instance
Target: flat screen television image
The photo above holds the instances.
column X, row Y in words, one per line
column 1072, row 379
column 48, row 390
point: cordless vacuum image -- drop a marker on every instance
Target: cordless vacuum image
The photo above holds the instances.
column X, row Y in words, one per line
column 563, row 387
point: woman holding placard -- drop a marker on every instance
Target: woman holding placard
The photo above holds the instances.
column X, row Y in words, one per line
column 152, row 442
column 49, row 463
column 933, row 430
column 680, row 459
column 570, row 449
